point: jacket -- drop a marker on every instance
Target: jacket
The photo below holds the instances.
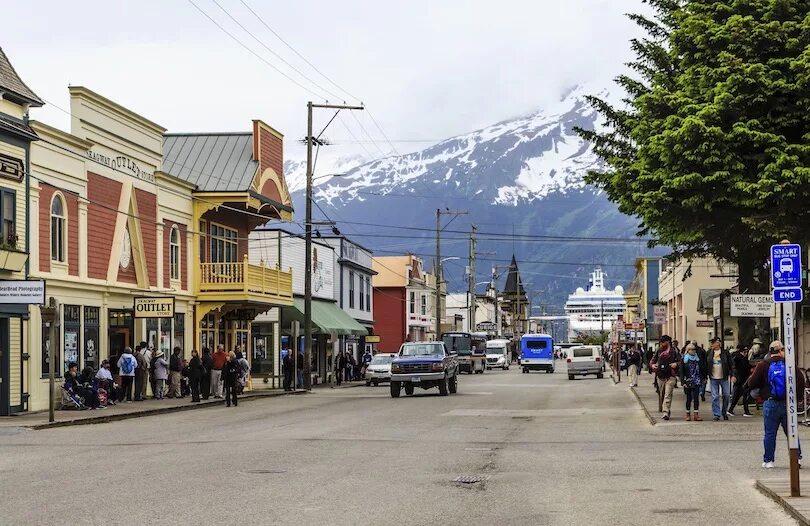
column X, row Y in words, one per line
column 161, row 369
column 195, row 368
column 207, row 363
column 126, row 356
column 759, row 378
column 635, row 358
column 218, row 359
column 143, row 363
column 230, row 372
column 175, row 363
column 740, row 366
column 725, row 362
column 665, row 363
column 683, row 371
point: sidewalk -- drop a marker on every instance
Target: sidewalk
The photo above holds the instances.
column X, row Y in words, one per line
column 779, row 491
column 124, row 411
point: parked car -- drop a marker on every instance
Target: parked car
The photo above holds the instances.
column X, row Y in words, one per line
column 498, row 354
column 379, row 370
column 425, row 365
column 583, row 360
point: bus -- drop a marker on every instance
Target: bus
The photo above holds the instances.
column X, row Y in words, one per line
column 470, row 348
column 537, row 353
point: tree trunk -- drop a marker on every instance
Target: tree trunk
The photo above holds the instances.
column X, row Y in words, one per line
column 752, row 280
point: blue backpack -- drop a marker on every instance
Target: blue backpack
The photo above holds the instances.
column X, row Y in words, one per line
column 126, row 365
column 776, row 379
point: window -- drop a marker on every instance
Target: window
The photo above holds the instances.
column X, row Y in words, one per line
column 8, row 212
column 351, row 290
column 174, row 253
column 57, row 229
column 203, row 242
column 72, row 326
column 412, row 308
column 424, row 305
column 368, row 294
column 362, row 293
column 224, row 244
column 91, row 343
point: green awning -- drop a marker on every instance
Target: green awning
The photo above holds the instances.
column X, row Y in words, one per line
column 327, row 318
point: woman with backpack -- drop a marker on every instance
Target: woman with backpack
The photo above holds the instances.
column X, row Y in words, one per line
column 769, row 378
column 692, row 372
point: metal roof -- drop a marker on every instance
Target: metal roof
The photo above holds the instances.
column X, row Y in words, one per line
column 12, row 84
column 215, row 162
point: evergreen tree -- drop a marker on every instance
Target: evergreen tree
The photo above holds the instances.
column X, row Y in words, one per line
column 711, row 149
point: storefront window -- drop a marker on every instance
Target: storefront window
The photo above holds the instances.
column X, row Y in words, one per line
column 223, row 244
column 46, row 351
column 207, row 331
column 166, row 335
column 72, row 319
column 152, row 333
column 91, row 346
column 263, row 351
column 180, row 331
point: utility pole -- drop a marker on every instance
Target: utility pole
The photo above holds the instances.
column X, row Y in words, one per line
column 308, row 242
column 471, row 280
column 50, row 316
column 438, row 267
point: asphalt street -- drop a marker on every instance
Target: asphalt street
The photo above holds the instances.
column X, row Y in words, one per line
column 546, row 451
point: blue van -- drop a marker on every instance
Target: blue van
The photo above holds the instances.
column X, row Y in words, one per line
column 537, row 353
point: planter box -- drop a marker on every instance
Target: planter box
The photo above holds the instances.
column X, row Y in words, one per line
column 12, row 260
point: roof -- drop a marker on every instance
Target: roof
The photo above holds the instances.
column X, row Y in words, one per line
column 17, row 127
column 514, row 285
column 214, row 162
column 13, row 86
column 706, row 297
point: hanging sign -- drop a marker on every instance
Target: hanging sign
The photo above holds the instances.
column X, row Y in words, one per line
column 154, row 307
column 752, row 306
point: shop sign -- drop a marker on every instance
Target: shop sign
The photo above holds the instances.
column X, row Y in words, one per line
column 121, row 163
column 22, row 292
column 159, row 307
column 11, row 168
column 716, row 307
column 704, row 323
column 487, row 326
column 659, row 314
column 752, row 306
column 373, row 339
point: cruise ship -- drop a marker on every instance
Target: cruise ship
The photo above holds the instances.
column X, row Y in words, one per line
column 594, row 309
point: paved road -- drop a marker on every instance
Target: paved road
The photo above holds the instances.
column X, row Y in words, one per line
column 552, row 452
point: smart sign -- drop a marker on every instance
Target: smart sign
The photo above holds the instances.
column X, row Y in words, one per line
column 786, row 266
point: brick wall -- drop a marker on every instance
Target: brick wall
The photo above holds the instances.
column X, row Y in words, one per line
column 72, row 211
column 167, row 232
column 389, row 316
column 100, row 221
column 45, row 195
column 147, row 210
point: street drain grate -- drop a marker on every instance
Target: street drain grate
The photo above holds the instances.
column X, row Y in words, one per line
column 265, row 471
column 471, row 479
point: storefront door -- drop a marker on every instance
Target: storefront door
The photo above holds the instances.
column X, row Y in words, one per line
column 120, row 331
column 5, row 369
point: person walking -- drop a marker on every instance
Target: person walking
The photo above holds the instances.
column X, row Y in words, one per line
column 740, row 371
column 287, row 366
column 148, row 380
column 218, row 362
column 692, row 371
column 127, row 364
column 340, row 365
column 161, row 371
column 140, row 373
column 205, row 379
column 367, row 357
column 244, row 370
column 701, row 352
column 230, row 379
column 634, row 361
column 769, row 377
column 300, row 370
column 665, row 364
column 196, row 371
column 175, row 373
column 755, row 353
column 347, row 373
column 718, row 364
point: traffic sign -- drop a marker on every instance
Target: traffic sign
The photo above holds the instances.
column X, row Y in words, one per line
column 787, row 295
column 786, row 266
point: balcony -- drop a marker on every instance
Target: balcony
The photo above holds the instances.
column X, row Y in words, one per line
column 243, row 282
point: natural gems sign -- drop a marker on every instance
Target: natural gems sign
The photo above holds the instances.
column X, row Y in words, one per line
column 154, row 307
column 752, row 306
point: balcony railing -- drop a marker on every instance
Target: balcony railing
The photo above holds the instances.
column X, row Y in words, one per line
column 243, row 281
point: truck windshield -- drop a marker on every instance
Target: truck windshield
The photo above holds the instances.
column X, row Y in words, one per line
column 460, row 343
column 427, row 349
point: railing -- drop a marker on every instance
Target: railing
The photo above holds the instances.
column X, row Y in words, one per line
column 246, row 279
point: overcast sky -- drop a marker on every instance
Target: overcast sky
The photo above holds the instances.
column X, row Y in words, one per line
column 425, row 69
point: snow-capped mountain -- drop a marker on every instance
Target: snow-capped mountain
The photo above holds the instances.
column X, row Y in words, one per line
column 521, row 176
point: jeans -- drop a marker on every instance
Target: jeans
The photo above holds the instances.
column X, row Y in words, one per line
column 719, row 386
column 692, row 397
column 300, row 378
column 774, row 415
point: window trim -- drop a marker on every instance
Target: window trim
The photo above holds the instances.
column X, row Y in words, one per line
column 13, row 193
column 234, row 242
column 423, row 308
column 175, row 272
column 60, row 258
column 412, row 302
column 351, row 289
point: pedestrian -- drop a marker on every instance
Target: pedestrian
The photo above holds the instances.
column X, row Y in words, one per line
column 648, row 358
column 205, row 379
column 756, row 350
column 127, row 365
column 175, row 373
column 701, row 352
column 218, row 362
column 634, row 359
column 196, row 372
column 367, row 357
column 718, row 364
column 161, row 372
column 230, row 379
column 692, row 371
column 665, row 363
column 141, row 373
column 300, row 370
column 244, row 370
column 287, row 366
column 105, row 378
column 185, row 385
column 147, row 355
column 340, row 365
column 114, row 369
column 769, row 377
column 740, row 371
column 347, row 373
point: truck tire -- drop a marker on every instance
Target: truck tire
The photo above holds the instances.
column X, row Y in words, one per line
column 408, row 388
column 453, row 384
column 443, row 389
column 570, row 376
column 600, row 375
column 395, row 388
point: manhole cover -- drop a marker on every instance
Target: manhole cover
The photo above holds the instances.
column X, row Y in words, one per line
column 265, row 471
column 471, row 479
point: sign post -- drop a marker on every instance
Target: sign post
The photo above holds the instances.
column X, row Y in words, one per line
column 786, row 278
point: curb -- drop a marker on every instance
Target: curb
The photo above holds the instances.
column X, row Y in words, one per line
column 789, row 509
column 149, row 412
column 652, row 419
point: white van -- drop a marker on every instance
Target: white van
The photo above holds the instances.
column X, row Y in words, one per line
column 498, row 354
column 583, row 360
